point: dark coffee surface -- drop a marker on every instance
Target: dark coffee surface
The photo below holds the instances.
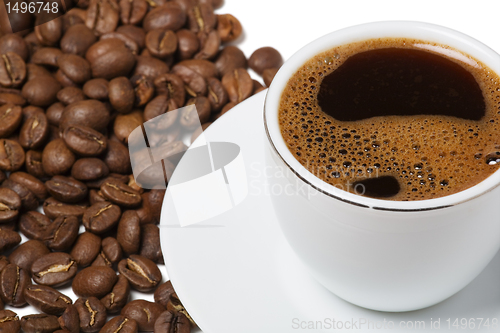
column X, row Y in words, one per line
column 395, row 119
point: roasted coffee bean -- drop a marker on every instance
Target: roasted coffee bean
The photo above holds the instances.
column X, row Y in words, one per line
column 102, row 16
column 3, row 262
column 154, row 201
column 201, row 18
column 96, row 184
column 14, row 43
column 101, row 217
column 54, row 113
column 64, row 80
column 57, row 159
column 195, row 84
column 46, row 299
column 84, row 140
column 54, row 208
column 96, row 89
column 54, row 269
column 66, row 189
column 126, row 123
column 33, row 224
column 11, row 155
column 27, row 253
column 76, row 68
column 69, row 95
column 174, row 305
column 11, row 116
column 238, row 85
column 217, row 95
column 132, row 12
column 142, row 273
column 203, row 67
column 229, row 27
column 86, row 249
column 62, row 233
column 12, row 98
column 13, row 281
column 263, row 58
column 230, row 58
column 30, row 110
column 171, row 322
column 74, row 16
column 150, row 243
column 120, row 193
column 10, row 204
column 121, row 94
column 33, row 164
column 117, row 158
column 129, row 42
column 167, row 16
column 143, row 89
column 12, row 70
column 137, row 34
column 120, row 324
column 8, row 239
column 190, row 117
column 28, row 199
column 34, row 131
column 33, row 71
column 9, row 322
column 77, row 40
column 110, row 58
column 210, row 44
column 129, row 232
column 49, row 33
column 118, row 297
column 90, row 113
column 96, row 196
column 39, row 323
column 160, row 42
column 46, row 56
column 172, row 86
column 70, row 319
column 163, row 293
column 188, row 44
column 111, row 253
column 144, row 313
column 150, row 67
column 92, row 314
column 42, row 91
column 161, row 105
column 33, row 184
column 94, row 281
column 268, row 75
column 88, row 169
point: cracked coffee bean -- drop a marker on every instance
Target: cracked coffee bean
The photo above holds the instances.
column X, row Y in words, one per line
column 84, row 141
column 13, row 281
column 39, row 323
column 120, row 193
column 121, row 324
column 118, row 297
column 172, row 322
column 111, row 253
column 144, row 313
column 142, row 273
column 9, row 322
column 46, row 299
column 101, row 217
column 10, row 204
column 54, row 269
column 92, row 314
column 66, row 189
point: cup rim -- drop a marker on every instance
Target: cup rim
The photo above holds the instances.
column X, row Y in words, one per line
column 395, row 29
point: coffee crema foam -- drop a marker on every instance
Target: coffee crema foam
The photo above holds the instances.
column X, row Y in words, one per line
column 430, row 156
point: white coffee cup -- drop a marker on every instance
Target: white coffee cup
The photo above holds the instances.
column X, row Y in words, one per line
column 380, row 254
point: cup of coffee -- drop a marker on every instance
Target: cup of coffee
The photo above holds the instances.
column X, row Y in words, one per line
column 385, row 138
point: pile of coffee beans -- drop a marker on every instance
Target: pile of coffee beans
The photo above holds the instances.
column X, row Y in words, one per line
column 71, row 92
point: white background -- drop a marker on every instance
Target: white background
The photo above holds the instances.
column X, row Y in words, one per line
column 288, row 25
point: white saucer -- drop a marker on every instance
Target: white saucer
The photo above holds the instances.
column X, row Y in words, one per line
column 236, row 273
